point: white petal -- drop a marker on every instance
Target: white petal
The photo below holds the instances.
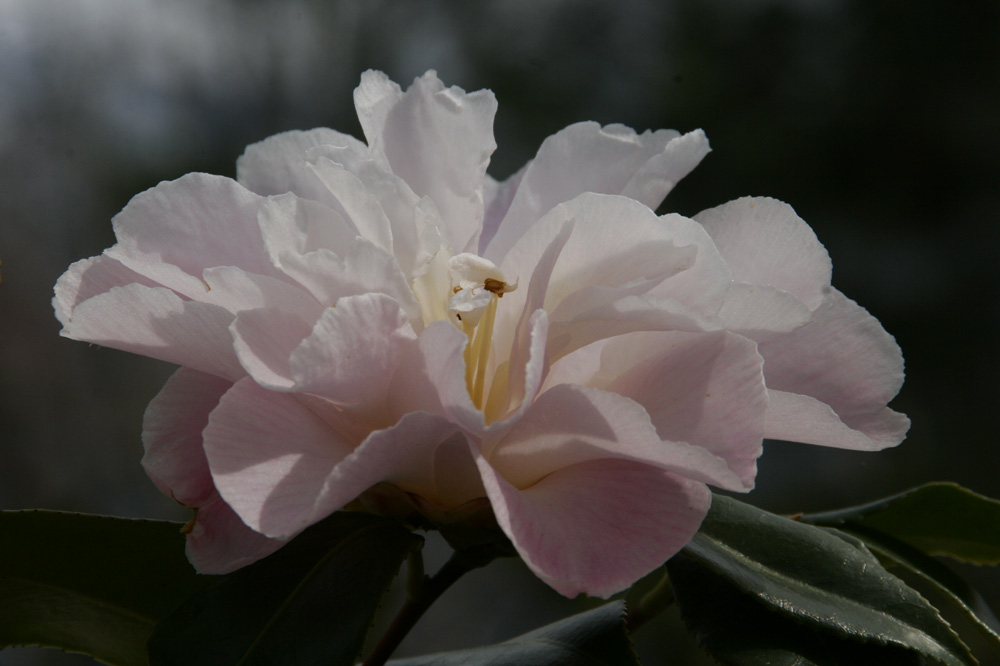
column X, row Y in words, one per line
column 352, row 353
column 586, row 157
column 363, row 269
column 706, row 389
column 439, row 140
column 598, row 526
column 237, row 290
column 278, row 164
column 290, row 224
column 571, row 424
column 766, row 243
column 270, row 455
column 155, row 322
column 355, row 202
column 264, row 340
column 174, row 231
column 88, row 278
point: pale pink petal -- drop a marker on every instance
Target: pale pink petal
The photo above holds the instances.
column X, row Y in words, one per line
column 278, row 164
column 352, row 352
column 364, row 268
column 270, row 455
column 598, row 526
column 657, row 177
column 515, row 311
column 352, row 199
column 439, row 140
column 766, row 243
column 401, row 206
column 171, row 435
column 616, row 244
column 264, row 340
column 416, row 455
column 800, row 418
column 705, row 389
column 174, row 231
column 497, row 198
column 217, row 540
column 586, row 157
column 760, row 312
column 702, row 286
column 88, row 278
column 526, row 370
column 289, row 224
column 571, row 424
column 237, row 290
column 845, row 359
column 432, row 378
column 626, row 314
column 155, row 322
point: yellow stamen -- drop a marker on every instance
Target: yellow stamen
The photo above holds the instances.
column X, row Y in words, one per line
column 477, row 354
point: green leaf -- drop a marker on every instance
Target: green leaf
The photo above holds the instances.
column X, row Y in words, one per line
column 825, row 582
column 952, row 587
column 739, row 631
column 594, row 638
column 312, row 602
column 938, row 518
column 91, row 584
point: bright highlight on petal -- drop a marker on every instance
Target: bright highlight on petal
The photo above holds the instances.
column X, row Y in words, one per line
column 351, row 332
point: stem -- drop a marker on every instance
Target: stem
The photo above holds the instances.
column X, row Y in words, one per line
column 417, row 605
column 651, row 604
column 415, row 577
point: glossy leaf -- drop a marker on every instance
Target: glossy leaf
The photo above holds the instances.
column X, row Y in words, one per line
column 827, row 583
column 952, row 587
column 938, row 518
column 594, row 638
column 91, row 584
column 312, row 602
column 739, row 631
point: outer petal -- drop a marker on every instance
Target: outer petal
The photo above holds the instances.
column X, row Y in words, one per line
column 278, row 164
column 705, row 389
column 439, row 140
column 570, row 424
column 586, row 157
column 176, row 230
column 352, row 353
column 218, row 541
column 597, row 527
column 155, row 322
column 845, row 359
column 801, row 418
column 761, row 313
column 270, row 455
column 88, row 278
column 424, row 453
column 766, row 243
column 264, row 340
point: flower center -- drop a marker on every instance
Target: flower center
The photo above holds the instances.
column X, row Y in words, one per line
column 478, row 285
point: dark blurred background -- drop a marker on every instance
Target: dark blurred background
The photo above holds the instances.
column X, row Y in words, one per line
column 877, row 120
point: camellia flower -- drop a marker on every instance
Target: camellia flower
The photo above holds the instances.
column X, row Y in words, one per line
column 353, row 317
